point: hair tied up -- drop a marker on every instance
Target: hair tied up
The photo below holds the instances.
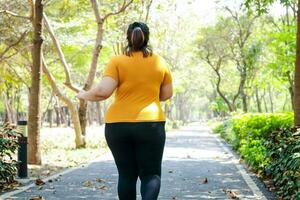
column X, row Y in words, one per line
column 137, row 38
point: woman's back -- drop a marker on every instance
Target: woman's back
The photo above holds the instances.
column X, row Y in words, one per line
column 139, row 81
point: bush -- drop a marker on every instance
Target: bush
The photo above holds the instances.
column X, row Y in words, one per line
column 284, row 153
column 269, row 145
column 8, row 147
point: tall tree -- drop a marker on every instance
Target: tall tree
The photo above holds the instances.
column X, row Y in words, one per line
column 35, row 88
column 243, row 52
column 261, row 6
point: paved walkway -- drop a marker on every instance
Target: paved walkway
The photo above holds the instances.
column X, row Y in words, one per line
column 197, row 165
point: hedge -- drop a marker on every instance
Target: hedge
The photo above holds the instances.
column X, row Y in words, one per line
column 269, row 145
column 8, row 148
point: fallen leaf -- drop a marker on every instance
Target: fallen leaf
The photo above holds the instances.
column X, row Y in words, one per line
column 231, row 194
column 103, row 187
column 37, row 198
column 87, row 184
column 100, row 180
column 39, row 182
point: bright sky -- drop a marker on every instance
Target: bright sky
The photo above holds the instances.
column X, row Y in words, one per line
column 207, row 10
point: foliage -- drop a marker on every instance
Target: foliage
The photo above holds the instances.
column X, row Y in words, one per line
column 269, row 146
column 261, row 6
column 8, row 147
column 284, row 153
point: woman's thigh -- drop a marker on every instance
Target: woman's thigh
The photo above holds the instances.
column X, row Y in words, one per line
column 122, row 147
column 149, row 142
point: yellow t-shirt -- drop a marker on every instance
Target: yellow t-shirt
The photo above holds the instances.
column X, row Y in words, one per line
column 137, row 94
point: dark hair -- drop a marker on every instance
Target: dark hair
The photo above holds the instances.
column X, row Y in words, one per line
column 138, row 38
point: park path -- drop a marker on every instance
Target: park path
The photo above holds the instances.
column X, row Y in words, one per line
column 196, row 165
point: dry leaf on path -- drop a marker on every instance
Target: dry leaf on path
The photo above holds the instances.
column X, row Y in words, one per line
column 103, row 187
column 100, row 180
column 205, row 181
column 87, row 184
column 39, row 182
column 37, row 198
column 231, row 194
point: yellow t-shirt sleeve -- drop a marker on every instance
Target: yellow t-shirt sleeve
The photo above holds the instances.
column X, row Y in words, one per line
column 111, row 70
column 167, row 73
column 167, row 77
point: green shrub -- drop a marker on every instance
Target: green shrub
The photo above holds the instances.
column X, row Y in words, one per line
column 269, row 145
column 284, row 152
column 218, row 128
column 8, row 147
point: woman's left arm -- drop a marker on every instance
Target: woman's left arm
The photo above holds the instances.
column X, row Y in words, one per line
column 101, row 92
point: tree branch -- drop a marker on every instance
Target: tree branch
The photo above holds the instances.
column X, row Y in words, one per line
column 57, row 45
column 122, row 9
column 12, row 45
column 148, row 11
column 14, row 14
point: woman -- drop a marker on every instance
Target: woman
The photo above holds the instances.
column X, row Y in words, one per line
column 135, row 122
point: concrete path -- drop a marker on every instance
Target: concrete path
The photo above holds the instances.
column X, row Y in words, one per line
column 197, row 165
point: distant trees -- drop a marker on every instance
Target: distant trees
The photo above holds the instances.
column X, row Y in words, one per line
column 230, row 46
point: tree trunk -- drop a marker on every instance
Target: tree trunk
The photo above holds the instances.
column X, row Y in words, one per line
column 291, row 91
column 34, row 151
column 93, row 67
column 258, row 100
column 99, row 114
column 9, row 113
column 50, row 117
column 271, row 99
column 243, row 94
column 82, row 118
column 57, row 115
column 297, row 72
column 230, row 107
column 265, row 102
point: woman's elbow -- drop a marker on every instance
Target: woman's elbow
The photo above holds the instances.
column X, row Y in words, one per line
column 102, row 95
column 166, row 97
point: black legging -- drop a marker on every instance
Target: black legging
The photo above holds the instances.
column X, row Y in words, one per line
column 137, row 148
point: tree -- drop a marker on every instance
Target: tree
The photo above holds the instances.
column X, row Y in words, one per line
column 244, row 51
column 34, row 117
column 261, row 7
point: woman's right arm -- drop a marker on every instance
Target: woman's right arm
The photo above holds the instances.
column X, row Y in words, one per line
column 166, row 92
